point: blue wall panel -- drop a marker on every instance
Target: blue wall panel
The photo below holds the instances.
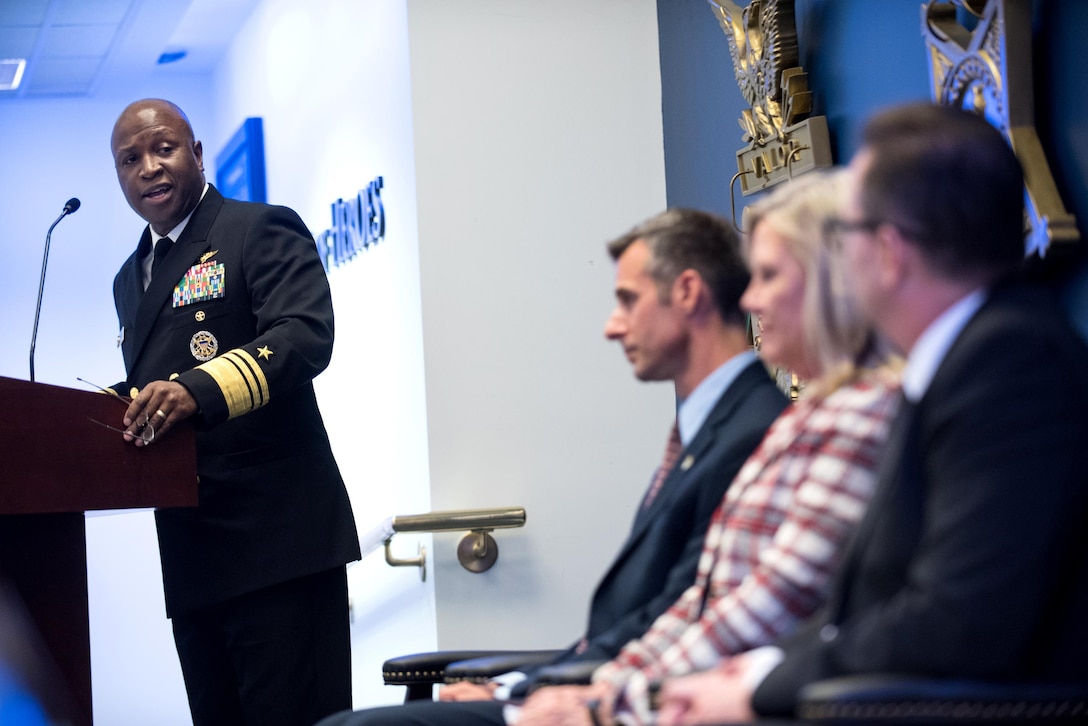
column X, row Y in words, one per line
column 860, row 55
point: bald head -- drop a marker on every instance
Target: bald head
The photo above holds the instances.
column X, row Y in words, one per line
column 143, row 108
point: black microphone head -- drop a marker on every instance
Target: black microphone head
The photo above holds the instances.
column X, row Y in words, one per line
column 71, row 205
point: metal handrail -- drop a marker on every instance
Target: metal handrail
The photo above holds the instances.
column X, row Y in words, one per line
column 461, row 519
column 477, row 551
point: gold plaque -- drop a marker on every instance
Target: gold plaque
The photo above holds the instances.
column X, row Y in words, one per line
column 782, row 140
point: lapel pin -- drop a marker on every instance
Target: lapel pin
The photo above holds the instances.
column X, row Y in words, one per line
column 687, row 463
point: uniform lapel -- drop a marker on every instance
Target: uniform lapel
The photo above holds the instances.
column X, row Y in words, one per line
column 128, row 293
column 192, row 243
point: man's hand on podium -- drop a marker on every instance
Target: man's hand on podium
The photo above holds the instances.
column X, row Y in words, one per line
column 157, row 408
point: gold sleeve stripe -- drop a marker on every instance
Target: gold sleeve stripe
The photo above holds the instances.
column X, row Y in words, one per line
column 241, row 380
column 253, row 376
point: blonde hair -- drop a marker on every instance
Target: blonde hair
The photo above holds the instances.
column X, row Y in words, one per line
column 836, row 335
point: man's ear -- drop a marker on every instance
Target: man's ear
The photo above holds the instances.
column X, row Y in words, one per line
column 894, row 255
column 688, row 291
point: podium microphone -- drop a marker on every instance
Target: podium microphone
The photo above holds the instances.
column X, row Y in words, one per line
column 69, row 208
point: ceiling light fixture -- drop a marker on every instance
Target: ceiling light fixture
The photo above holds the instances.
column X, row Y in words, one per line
column 11, row 73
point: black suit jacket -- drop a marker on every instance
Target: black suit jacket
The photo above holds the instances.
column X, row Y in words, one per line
column 240, row 313
column 972, row 561
column 660, row 557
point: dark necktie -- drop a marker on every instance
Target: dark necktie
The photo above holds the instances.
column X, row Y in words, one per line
column 162, row 248
column 672, row 453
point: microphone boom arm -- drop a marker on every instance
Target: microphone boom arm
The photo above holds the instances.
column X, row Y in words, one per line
column 69, row 208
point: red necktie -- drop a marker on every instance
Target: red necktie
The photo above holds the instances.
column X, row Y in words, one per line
column 672, row 453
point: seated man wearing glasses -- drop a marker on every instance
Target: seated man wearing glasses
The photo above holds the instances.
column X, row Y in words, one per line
column 972, row 561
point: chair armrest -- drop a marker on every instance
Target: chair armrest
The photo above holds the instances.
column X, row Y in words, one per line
column 430, row 667
column 889, row 697
column 421, row 671
column 567, row 674
column 480, row 670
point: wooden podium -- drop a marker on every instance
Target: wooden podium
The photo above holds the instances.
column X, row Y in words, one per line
column 57, row 465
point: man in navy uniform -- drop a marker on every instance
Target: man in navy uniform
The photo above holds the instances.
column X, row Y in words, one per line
column 226, row 317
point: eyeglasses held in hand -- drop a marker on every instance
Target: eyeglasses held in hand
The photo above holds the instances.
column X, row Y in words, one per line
column 145, row 433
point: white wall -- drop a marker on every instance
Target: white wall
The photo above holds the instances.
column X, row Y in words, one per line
column 537, row 138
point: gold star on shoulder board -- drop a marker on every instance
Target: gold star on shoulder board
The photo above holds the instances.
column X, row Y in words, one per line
column 264, row 352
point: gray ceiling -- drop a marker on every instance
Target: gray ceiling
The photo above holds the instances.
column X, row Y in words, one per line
column 82, row 47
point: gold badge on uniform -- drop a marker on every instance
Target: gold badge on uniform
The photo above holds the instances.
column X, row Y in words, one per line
column 203, row 346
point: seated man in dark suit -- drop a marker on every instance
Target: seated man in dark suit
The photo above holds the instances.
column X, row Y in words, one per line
column 679, row 279
column 972, row 560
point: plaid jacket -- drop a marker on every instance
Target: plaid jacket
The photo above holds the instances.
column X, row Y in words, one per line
column 775, row 539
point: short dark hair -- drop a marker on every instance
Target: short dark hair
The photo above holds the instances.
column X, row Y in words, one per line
column 950, row 183
column 681, row 239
